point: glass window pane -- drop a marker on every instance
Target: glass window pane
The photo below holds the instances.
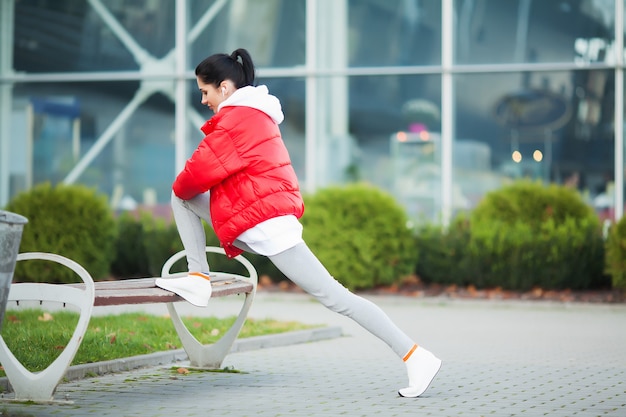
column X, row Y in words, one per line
column 67, row 35
column 394, row 33
column 552, row 126
column 515, row 31
column 370, row 150
column 61, row 122
column 278, row 42
column 291, row 93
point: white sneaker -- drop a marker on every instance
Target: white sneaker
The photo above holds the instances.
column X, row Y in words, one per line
column 422, row 367
column 195, row 287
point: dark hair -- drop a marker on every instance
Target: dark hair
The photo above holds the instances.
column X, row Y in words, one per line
column 219, row 67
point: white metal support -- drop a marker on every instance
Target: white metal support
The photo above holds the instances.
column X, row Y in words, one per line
column 40, row 386
column 211, row 356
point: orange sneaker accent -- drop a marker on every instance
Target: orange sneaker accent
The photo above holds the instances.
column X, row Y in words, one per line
column 201, row 275
column 408, row 355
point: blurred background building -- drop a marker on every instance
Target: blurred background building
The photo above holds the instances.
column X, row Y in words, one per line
column 436, row 101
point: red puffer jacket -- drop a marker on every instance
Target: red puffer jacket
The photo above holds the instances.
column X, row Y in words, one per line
column 245, row 164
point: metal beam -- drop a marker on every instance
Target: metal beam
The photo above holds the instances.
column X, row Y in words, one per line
column 447, row 109
column 139, row 54
column 7, row 11
column 140, row 96
column 619, row 109
column 311, row 87
column 181, row 97
column 152, row 74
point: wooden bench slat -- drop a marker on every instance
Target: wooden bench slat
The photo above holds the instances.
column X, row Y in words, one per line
column 144, row 290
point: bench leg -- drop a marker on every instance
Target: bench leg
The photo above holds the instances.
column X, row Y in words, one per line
column 40, row 386
column 210, row 356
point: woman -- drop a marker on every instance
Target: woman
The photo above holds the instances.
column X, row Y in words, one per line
column 241, row 181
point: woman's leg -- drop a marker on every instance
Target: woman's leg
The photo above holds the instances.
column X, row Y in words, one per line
column 196, row 286
column 188, row 215
column 301, row 266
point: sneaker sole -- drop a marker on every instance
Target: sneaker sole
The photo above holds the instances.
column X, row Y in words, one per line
column 190, row 297
column 427, row 386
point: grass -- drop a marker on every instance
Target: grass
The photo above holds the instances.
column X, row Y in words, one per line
column 37, row 337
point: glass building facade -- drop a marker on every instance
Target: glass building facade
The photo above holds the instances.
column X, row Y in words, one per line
column 436, row 101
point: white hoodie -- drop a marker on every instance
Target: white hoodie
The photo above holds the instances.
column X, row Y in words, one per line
column 257, row 98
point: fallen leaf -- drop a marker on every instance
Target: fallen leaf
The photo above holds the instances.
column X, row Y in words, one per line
column 471, row 289
column 45, row 317
column 59, row 347
column 265, row 281
column 13, row 319
column 183, row 371
column 451, row 288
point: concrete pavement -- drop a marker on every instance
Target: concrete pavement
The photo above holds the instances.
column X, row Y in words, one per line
column 501, row 358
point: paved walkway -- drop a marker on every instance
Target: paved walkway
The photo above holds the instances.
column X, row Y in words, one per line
column 500, row 359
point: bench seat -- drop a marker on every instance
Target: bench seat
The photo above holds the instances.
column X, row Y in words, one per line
column 144, row 291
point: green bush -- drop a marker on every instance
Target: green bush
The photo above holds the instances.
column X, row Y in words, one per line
column 161, row 241
column 360, row 234
column 69, row 220
column 520, row 256
column 615, row 264
column 145, row 243
column 530, row 234
column 521, row 236
column 533, row 203
column 131, row 259
column 443, row 253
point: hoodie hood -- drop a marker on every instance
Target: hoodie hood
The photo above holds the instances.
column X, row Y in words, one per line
column 257, row 98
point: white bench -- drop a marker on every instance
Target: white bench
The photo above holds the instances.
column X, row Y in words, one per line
column 40, row 386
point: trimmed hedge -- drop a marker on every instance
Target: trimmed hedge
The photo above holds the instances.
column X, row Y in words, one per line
column 69, row 220
column 360, row 234
column 615, row 260
column 521, row 236
column 144, row 243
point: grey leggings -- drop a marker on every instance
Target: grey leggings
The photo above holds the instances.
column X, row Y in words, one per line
column 298, row 264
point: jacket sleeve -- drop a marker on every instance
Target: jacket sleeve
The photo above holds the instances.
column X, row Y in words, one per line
column 215, row 159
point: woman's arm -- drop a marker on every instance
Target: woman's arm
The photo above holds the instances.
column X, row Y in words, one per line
column 214, row 160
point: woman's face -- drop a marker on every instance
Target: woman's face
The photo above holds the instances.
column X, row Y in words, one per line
column 213, row 96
